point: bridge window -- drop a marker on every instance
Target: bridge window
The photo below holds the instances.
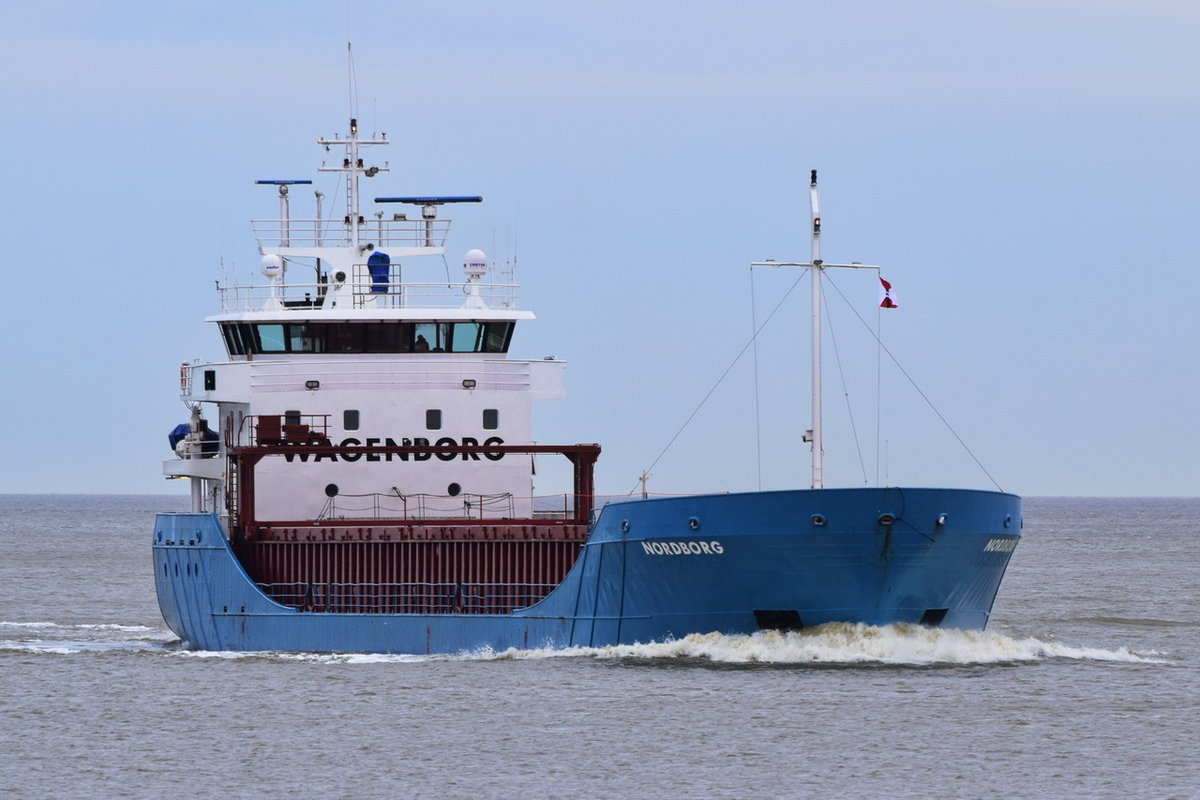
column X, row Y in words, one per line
column 308, row 337
column 496, row 337
column 429, row 337
column 233, row 339
column 270, row 338
column 466, row 337
column 346, row 338
column 387, row 337
column 244, row 338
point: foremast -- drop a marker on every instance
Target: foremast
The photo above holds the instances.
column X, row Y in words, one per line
column 817, row 266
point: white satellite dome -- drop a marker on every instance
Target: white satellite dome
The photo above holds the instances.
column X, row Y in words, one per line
column 272, row 266
column 475, row 263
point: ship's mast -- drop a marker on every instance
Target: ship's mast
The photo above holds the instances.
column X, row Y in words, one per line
column 813, row 435
column 818, row 478
column 353, row 166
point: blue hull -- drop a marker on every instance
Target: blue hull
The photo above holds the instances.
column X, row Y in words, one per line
column 652, row 570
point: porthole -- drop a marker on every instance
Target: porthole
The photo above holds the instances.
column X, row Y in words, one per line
column 453, row 490
column 818, row 520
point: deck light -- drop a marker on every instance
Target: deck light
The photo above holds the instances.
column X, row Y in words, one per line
column 468, row 383
column 312, row 386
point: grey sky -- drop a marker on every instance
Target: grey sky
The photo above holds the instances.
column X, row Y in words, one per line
column 1025, row 172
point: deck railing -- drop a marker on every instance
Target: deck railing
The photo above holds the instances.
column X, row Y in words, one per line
column 379, row 231
column 407, row 598
column 391, row 293
column 381, row 505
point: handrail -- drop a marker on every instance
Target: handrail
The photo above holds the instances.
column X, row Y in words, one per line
column 304, row 297
column 406, row 598
column 281, row 429
column 332, row 232
column 468, row 505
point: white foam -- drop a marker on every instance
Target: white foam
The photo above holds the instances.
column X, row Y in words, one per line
column 838, row 643
column 79, row 626
column 68, row 639
column 314, row 658
column 845, row 643
column 114, row 627
column 63, row 648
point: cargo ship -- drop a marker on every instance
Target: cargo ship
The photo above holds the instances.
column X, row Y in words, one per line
column 362, row 470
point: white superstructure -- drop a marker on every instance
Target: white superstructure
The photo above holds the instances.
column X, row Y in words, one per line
column 351, row 339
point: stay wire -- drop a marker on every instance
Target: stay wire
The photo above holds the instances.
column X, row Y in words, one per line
column 837, row 356
column 909, row 378
column 728, row 369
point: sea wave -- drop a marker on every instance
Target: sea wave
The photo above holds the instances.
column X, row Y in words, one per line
column 57, row 638
column 68, row 648
column 109, row 626
column 834, row 644
column 848, row 643
column 318, row 658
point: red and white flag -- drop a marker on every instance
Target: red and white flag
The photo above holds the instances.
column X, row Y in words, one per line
column 887, row 299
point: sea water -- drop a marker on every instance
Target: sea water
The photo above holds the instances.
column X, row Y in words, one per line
column 1086, row 684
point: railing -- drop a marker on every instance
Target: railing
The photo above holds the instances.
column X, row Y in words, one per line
column 279, row 429
column 367, row 294
column 390, row 291
column 407, row 598
column 379, row 505
column 382, row 232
